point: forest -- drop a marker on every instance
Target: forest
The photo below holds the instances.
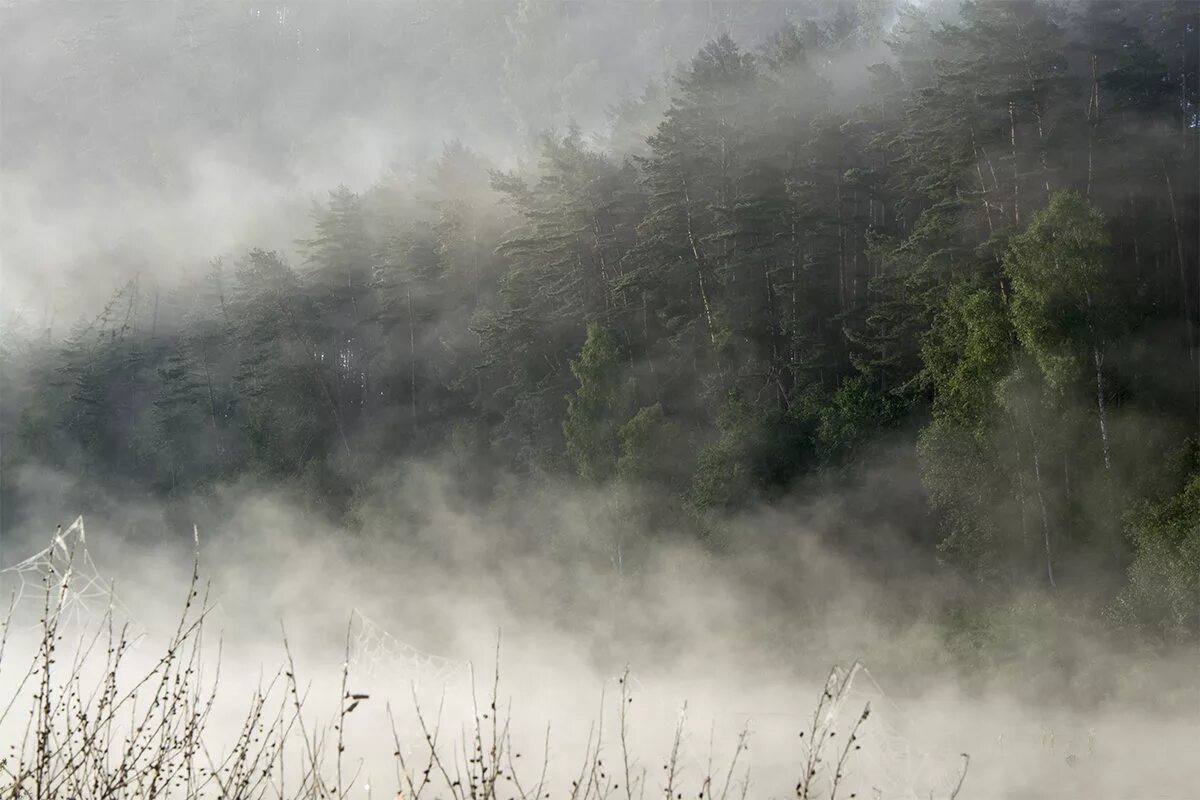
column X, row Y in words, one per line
column 952, row 248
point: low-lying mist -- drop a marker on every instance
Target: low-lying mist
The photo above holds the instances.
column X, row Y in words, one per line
column 430, row 597
column 539, row 399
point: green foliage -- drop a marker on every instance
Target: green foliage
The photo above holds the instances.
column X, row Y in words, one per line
column 1163, row 592
column 598, row 408
column 724, row 477
column 852, row 416
column 985, row 239
column 650, row 448
column 1063, row 295
column 966, row 353
column 1009, row 643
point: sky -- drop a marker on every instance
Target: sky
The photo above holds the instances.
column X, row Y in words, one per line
column 144, row 139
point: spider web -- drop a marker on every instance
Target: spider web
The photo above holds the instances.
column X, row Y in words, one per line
column 375, row 653
column 888, row 765
column 895, row 767
column 79, row 593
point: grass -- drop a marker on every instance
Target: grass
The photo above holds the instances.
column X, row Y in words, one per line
column 89, row 716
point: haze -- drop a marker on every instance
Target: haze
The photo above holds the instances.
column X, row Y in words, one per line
column 648, row 388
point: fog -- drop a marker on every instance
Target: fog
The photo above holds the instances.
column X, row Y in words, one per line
column 145, row 140
column 708, row 647
column 391, row 340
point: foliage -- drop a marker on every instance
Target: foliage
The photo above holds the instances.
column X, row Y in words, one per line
column 1061, row 289
column 978, row 249
column 1164, row 578
column 598, row 407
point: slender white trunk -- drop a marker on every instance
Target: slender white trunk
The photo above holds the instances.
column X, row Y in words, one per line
column 1093, row 120
column 987, row 207
column 1037, row 476
column 698, row 257
column 1037, row 486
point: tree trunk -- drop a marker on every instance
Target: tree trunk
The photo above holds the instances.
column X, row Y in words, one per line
column 983, row 190
column 1099, row 361
column 698, row 257
column 1037, row 477
column 1183, row 282
column 212, row 399
column 1012, row 140
column 318, row 378
column 1037, row 486
column 1093, row 121
column 412, row 364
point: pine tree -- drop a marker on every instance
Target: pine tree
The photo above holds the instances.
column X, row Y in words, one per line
column 340, row 261
column 693, row 180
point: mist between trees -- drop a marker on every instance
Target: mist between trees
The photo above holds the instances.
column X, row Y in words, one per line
column 939, row 275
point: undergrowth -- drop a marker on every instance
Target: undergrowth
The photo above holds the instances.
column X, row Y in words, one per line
column 83, row 719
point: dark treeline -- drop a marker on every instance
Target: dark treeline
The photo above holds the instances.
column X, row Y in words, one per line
column 978, row 256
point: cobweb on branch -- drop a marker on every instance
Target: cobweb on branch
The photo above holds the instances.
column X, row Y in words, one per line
column 890, row 763
column 79, row 593
column 894, row 766
column 375, row 653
